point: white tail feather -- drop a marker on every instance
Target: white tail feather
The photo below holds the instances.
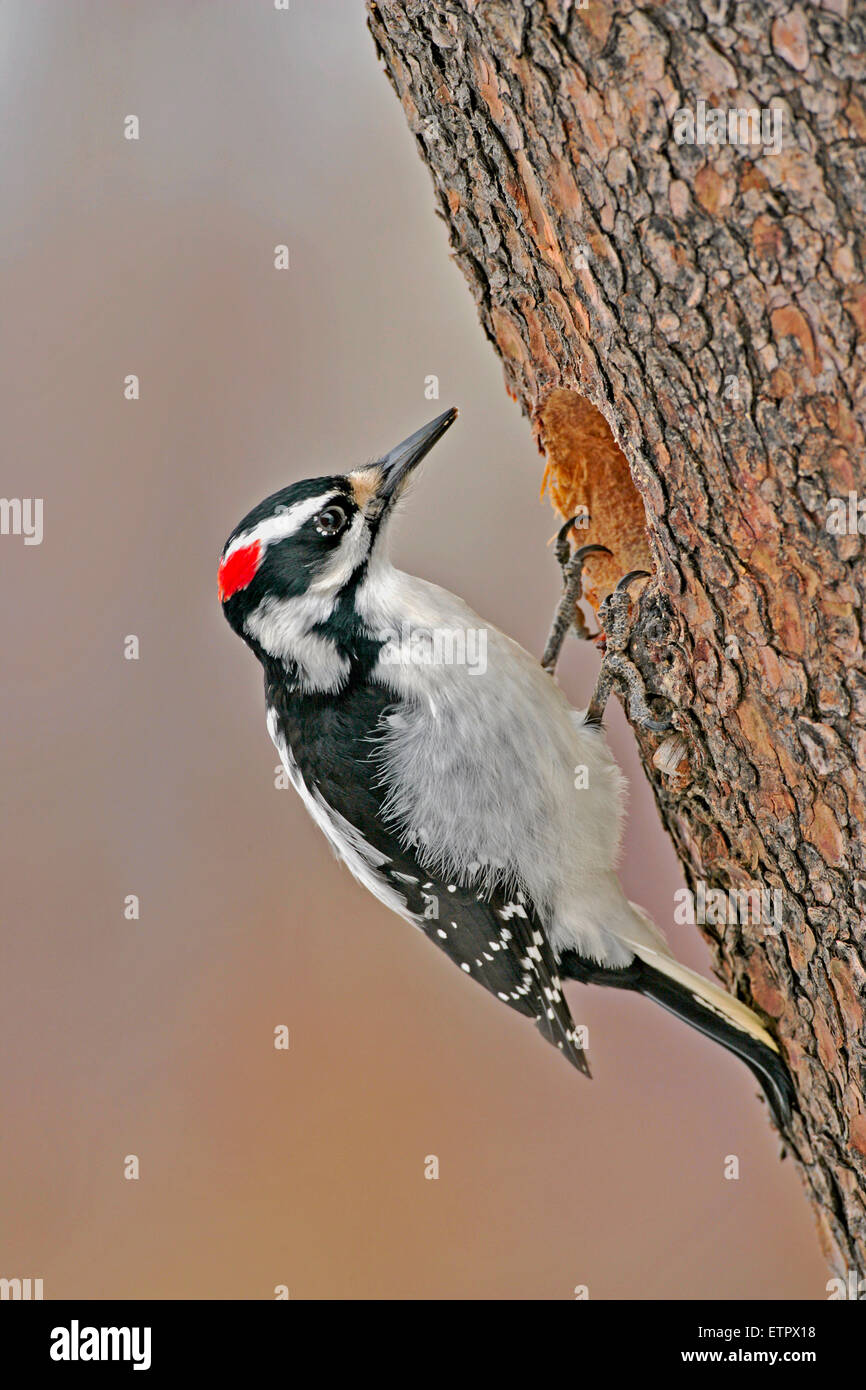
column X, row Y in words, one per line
column 649, row 945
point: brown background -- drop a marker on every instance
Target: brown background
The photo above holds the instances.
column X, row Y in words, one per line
column 156, row 777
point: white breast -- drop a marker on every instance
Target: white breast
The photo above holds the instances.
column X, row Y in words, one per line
column 481, row 769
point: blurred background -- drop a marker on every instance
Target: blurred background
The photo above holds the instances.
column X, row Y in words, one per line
column 156, row 777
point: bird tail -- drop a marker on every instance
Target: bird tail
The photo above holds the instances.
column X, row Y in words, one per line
column 658, row 976
column 721, row 1017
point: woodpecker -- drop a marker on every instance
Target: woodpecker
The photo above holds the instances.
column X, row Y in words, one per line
column 448, row 787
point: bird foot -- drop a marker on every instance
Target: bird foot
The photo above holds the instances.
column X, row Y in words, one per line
column 568, row 615
column 616, row 616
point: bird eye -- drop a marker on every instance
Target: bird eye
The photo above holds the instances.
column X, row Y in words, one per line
column 331, row 521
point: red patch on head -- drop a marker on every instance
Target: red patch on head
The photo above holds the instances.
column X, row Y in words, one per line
column 237, row 571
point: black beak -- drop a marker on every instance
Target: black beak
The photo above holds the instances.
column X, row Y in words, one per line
column 399, row 463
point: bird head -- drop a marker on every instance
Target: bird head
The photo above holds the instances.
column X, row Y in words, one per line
column 290, row 570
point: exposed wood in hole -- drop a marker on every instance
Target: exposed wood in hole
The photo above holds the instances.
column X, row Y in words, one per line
column 587, row 468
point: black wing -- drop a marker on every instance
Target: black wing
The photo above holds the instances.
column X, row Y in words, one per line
column 498, row 941
column 496, row 938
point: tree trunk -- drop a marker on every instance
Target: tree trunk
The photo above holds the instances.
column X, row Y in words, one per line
column 683, row 322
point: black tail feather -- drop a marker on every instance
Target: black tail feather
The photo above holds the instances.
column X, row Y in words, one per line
column 766, row 1065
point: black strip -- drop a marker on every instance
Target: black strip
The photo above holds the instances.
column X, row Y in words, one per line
column 767, row 1066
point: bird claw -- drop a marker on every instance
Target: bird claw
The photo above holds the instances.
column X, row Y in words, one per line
column 615, row 616
column 632, row 575
column 616, row 669
column 567, row 614
column 614, row 613
column 612, row 637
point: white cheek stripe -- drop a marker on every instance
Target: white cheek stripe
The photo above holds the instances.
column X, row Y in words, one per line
column 350, row 553
column 283, row 628
column 281, row 524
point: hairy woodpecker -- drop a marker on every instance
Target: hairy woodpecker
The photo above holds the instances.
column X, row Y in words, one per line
column 449, row 790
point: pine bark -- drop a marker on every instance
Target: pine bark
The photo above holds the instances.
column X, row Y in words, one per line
column 684, row 325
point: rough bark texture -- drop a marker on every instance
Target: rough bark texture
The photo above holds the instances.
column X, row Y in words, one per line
column 698, row 311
